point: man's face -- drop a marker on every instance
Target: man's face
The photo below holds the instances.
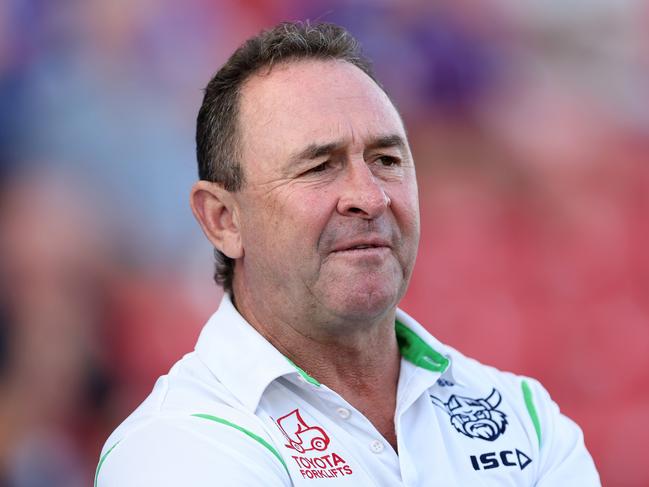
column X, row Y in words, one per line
column 329, row 212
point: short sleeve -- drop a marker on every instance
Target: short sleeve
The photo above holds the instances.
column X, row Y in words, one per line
column 564, row 458
column 198, row 451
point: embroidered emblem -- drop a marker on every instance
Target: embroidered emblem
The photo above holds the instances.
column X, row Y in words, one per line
column 475, row 418
column 304, row 438
column 300, row 436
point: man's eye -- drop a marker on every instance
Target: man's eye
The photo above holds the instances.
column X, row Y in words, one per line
column 388, row 161
column 319, row 167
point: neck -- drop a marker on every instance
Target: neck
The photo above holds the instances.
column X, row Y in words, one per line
column 334, row 351
column 365, row 376
column 360, row 361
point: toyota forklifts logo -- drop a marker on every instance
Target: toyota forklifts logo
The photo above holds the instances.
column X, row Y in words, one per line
column 304, row 438
column 300, row 436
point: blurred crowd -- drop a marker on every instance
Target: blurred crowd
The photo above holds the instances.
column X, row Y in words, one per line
column 529, row 123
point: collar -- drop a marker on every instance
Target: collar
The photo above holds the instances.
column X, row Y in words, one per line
column 239, row 356
column 246, row 363
column 422, row 349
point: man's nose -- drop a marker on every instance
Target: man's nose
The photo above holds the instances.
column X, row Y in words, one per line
column 362, row 195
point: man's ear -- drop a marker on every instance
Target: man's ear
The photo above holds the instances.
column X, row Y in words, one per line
column 217, row 212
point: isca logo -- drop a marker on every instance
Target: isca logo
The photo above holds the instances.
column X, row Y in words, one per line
column 475, row 418
column 505, row 458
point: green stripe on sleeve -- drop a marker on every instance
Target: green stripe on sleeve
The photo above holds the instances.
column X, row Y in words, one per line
column 101, row 461
column 246, row 432
column 531, row 409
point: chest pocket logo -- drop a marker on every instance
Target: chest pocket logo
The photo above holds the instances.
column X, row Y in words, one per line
column 301, row 436
column 475, row 418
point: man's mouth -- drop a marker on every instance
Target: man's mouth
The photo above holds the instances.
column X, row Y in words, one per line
column 365, row 244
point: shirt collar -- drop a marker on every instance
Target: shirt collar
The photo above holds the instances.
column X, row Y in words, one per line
column 422, row 349
column 246, row 363
column 238, row 356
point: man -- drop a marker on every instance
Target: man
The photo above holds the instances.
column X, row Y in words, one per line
column 308, row 372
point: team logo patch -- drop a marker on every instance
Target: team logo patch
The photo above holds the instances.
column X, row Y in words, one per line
column 475, row 418
column 302, row 437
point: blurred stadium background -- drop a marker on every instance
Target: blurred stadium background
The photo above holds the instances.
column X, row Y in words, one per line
column 529, row 122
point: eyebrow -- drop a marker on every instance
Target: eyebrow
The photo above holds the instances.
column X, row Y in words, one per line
column 314, row 151
column 387, row 141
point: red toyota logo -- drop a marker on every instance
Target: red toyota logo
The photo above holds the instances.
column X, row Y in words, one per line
column 300, row 436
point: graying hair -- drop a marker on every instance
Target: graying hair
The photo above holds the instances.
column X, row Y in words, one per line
column 217, row 144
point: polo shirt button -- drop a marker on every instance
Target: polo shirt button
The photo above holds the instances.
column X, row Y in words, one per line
column 376, row 446
column 344, row 413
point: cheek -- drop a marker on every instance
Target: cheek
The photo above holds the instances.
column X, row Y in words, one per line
column 288, row 225
column 405, row 206
column 311, row 207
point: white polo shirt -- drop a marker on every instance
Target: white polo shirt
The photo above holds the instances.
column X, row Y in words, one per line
column 237, row 412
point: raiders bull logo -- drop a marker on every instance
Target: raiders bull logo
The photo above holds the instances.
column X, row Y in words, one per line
column 475, row 418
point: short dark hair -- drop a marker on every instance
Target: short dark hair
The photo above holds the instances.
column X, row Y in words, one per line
column 217, row 148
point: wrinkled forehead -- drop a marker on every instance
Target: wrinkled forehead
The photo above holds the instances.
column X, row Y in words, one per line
column 305, row 102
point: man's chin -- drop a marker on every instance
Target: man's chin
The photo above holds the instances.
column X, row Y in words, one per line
column 364, row 304
column 361, row 294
